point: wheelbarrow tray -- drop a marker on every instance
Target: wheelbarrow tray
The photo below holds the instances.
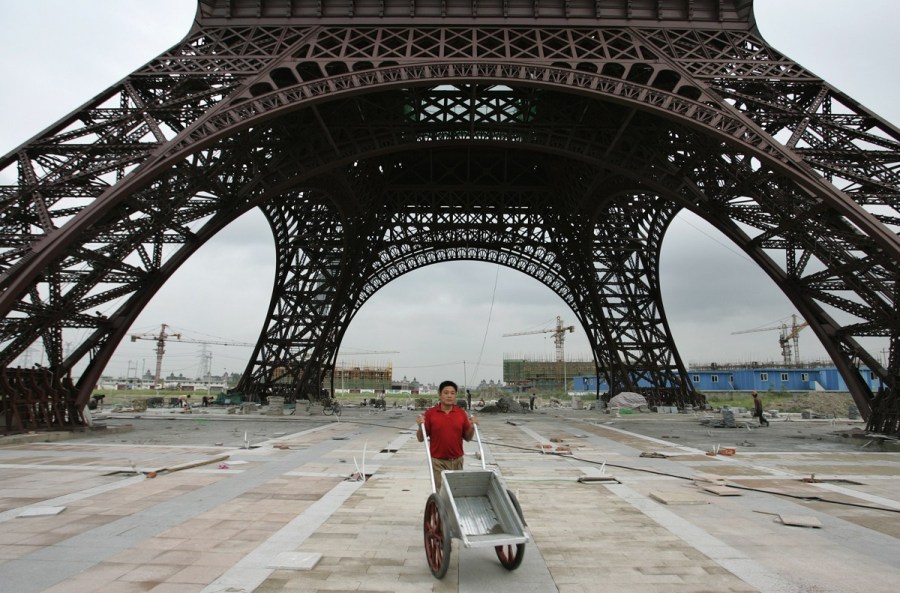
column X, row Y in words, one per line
column 480, row 510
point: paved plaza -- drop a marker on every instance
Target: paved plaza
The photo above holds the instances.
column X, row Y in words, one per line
column 211, row 502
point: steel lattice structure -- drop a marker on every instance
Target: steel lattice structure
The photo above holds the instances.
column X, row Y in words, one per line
column 556, row 137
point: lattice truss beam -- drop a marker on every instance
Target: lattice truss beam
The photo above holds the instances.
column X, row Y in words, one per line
column 310, row 304
column 109, row 201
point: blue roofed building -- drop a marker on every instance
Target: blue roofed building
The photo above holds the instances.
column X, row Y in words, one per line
column 768, row 377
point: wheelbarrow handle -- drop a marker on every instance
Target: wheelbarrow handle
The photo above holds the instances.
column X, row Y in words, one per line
column 428, row 457
column 480, row 447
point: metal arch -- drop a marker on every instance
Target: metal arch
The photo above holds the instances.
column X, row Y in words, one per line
column 267, row 153
column 672, row 68
column 493, row 234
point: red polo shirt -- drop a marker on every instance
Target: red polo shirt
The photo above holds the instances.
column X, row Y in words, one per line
column 445, row 431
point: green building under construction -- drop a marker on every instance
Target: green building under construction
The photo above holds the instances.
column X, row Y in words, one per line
column 544, row 375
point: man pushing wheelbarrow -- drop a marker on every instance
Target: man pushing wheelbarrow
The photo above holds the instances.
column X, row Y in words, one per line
column 447, row 425
column 474, row 506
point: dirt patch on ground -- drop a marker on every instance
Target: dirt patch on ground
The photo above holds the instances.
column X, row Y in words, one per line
column 836, row 404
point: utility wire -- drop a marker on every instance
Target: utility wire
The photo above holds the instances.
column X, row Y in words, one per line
column 488, row 324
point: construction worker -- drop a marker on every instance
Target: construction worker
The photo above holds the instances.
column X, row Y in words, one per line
column 758, row 409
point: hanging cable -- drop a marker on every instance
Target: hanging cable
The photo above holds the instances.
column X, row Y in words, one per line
column 488, row 325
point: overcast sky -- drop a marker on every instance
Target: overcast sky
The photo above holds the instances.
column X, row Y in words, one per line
column 447, row 320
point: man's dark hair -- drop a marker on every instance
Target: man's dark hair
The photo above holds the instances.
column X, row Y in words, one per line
column 447, row 383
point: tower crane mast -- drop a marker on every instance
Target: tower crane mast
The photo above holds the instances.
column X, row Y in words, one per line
column 162, row 337
column 789, row 334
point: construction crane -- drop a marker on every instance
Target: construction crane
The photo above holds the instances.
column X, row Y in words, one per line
column 787, row 336
column 355, row 352
column 559, row 338
column 162, row 337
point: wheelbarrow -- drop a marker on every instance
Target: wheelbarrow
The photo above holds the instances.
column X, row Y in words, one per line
column 475, row 507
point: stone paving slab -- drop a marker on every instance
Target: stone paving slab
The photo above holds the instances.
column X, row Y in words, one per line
column 203, row 528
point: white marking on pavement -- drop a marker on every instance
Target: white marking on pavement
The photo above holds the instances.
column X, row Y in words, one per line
column 879, row 500
column 68, row 498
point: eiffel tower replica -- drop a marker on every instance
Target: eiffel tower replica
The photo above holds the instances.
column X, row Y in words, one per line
column 559, row 138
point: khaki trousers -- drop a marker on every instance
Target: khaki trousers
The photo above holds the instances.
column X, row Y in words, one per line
column 439, row 465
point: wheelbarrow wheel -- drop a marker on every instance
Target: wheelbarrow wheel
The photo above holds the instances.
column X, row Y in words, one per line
column 511, row 555
column 437, row 538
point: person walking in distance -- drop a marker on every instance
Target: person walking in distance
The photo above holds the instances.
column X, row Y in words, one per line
column 447, row 425
column 758, row 409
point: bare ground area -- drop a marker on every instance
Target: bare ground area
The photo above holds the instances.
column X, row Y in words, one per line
column 835, row 404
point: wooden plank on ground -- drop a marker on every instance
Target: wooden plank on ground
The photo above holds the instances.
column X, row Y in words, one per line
column 673, row 497
column 800, row 521
column 721, row 490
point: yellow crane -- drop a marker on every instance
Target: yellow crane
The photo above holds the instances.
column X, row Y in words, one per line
column 788, row 334
column 559, row 338
column 162, row 337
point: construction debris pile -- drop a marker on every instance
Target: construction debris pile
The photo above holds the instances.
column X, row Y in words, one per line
column 503, row 405
column 726, row 421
